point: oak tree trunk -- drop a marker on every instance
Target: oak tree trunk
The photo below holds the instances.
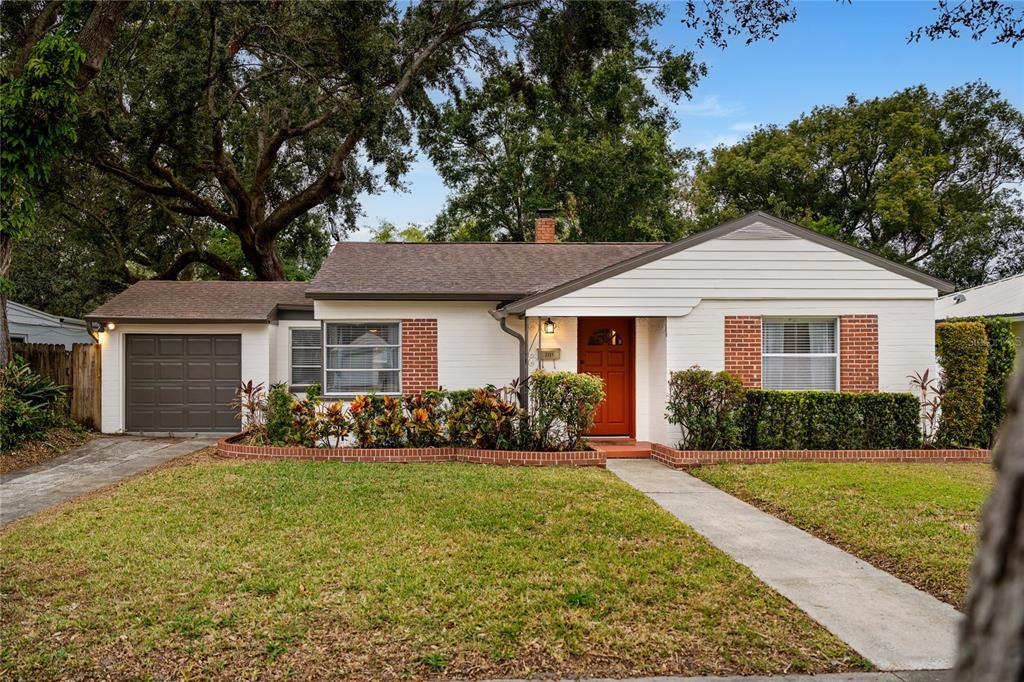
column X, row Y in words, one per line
column 6, row 254
column 992, row 637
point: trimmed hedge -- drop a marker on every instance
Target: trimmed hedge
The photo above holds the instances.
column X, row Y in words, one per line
column 962, row 351
column 820, row 420
column 1002, row 352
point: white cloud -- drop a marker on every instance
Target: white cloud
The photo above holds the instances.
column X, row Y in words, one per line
column 743, row 127
column 710, row 106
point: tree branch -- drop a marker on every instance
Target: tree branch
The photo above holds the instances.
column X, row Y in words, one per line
column 225, row 269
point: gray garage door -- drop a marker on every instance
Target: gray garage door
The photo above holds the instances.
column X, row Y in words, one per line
column 181, row 382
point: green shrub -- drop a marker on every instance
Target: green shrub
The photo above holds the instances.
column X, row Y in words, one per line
column 424, row 426
column 562, row 408
column 705, row 405
column 962, row 351
column 279, row 414
column 820, row 420
column 29, row 404
column 1002, row 353
column 487, row 421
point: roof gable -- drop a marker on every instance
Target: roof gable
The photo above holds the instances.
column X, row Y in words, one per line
column 757, row 226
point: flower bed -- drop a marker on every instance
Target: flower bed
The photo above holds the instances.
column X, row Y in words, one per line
column 682, row 459
column 232, row 447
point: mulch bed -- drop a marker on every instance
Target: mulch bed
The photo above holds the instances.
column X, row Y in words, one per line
column 58, row 442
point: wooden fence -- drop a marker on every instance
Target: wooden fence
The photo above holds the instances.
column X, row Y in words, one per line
column 78, row 369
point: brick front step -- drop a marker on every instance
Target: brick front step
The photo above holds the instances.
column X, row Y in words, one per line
column 230, row 448
column 622, row 449
column 682, row 459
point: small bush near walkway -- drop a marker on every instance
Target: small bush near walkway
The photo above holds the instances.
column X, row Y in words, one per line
column 962, row 351
column 705, row 405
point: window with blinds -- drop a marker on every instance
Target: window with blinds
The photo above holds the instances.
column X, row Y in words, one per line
column 363, row 357
column 307, row 357
column 799, row 355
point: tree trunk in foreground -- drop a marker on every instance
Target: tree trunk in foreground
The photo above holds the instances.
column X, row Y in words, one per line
column 992, row 636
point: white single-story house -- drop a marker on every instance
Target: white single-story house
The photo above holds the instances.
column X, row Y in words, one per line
column 779, row 305
column 28, row 325
column 1003, row 298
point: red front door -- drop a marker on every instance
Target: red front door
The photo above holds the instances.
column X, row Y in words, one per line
column 605, row 349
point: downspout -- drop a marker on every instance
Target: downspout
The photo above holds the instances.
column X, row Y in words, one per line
column 524, row 357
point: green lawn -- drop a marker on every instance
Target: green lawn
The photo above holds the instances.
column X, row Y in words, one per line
column 319, row 570
column 917, row 521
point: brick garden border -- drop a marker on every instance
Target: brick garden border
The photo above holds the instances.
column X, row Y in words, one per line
column 684, row 459
column 230, row 448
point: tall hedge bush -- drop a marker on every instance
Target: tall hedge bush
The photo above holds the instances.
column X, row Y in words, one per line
column 1002, row 353
column 820, row 420
column 962, row 352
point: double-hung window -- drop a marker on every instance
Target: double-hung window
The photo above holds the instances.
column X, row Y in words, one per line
column 799, row 354
column 306, row 356
column 362, row 357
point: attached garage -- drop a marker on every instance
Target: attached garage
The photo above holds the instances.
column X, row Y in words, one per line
column 181, row 382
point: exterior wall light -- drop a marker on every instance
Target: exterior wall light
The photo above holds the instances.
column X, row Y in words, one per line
column 111, row 326
column 549, row 326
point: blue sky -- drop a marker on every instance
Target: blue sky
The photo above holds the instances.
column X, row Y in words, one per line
column 831, row 50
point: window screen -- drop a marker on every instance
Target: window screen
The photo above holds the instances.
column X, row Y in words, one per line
column 799, row 355
column 307, row 357
column 363, row 357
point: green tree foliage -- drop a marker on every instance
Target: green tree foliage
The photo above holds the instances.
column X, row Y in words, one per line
column 578, row 130
column 928, row 180
column 962, row 351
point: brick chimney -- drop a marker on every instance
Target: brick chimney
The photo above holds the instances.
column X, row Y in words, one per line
column 544, row 226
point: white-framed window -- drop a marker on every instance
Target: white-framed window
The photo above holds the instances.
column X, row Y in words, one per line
column 800, row 354
column 307, row 354
column 362, row 357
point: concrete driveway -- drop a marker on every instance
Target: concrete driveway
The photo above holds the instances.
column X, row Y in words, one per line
column 98, row 463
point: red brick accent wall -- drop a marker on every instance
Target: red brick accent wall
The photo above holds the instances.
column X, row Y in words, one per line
column 743, row 348
column 858, row 353
column 419, row 355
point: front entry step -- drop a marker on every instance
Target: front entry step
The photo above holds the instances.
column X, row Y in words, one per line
column 622, row 448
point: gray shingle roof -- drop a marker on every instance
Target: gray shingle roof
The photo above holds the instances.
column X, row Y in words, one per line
column 204, row 301
column 464, row 270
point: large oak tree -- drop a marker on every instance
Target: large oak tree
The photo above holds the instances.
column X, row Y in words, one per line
column 926, row 179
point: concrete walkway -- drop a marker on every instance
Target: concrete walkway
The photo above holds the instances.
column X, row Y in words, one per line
column 888, row 622
column 98, row 463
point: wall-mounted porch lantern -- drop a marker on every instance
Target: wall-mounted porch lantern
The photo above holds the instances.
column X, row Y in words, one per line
column 549, row 326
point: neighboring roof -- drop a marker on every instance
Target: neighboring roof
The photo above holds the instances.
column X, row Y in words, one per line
column 202, row 301
column 749, row 220
column 489, row 271
column 18, row 313
column 1004, row 298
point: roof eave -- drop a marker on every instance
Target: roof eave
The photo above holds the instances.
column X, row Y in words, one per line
column 413, row 296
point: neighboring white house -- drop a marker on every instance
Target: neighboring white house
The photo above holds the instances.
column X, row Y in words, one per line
column 779, row 305
column 28, row 325
column 1003, row 298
